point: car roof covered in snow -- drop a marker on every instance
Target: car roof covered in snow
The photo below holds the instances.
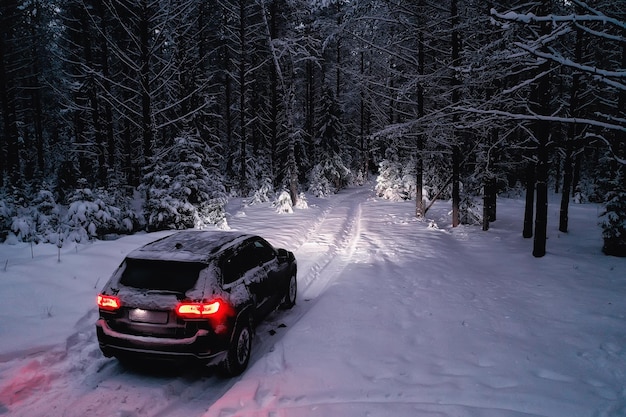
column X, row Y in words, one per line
column 190, row 246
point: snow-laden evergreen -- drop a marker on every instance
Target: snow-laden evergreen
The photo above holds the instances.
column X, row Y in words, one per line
column 38, row 222
column 613, row 220
column 329, row 176
column 396, row 181
column 89, row 216
column 183, row 187
column 283, row 203
column 263, row 194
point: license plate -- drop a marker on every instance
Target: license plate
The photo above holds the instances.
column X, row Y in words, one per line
column 147, row 316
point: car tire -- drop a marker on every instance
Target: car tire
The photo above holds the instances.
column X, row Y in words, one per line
column 239, row 351
column 291, row 293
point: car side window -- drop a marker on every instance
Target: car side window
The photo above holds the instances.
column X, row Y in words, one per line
column 263, row 252
column 229, row 270
column 237, row 265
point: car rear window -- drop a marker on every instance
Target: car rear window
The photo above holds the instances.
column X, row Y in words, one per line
column 161, row 275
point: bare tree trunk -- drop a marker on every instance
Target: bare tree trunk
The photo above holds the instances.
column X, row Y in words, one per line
column 420, row 209
column 530, row 201
column 456, row 45
column 310, row 104
column 541, row 217
column 540, row 101
column 362, row 119
column 571, row 137
column 274, row 112
column 542, row 134
column 228, row 116
column 293, row 174
column 567, row 185
column 489, row 181
column 146, row 101
column 456, row 192
column 243, row 180
column 557, row 173
column 489, row 202
column 10, row 154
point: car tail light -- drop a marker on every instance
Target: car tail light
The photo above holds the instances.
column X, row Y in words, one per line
column 200, row 310
column 109, row 302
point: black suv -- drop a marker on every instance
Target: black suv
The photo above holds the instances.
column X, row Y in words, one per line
column 194, row 295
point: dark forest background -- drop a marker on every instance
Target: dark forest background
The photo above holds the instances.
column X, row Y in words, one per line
column 183, row 104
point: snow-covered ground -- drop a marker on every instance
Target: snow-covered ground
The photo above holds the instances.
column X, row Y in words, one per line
column 395, row 317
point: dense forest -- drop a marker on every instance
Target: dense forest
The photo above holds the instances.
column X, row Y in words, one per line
column 183, row 104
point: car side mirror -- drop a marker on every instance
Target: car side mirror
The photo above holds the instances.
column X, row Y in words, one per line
column 283, row 255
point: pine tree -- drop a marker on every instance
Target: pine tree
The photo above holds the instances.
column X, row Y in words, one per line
column 182, row 190
column 613, row 220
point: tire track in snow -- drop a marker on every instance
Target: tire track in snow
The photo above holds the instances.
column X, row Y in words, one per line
column 336, row 235
column 99, row 387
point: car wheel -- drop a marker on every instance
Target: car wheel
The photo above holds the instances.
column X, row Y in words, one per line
column 239, row 351
column 291, row 293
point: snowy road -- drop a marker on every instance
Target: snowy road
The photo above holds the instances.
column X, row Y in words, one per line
column 395, row 317
column 75, row 380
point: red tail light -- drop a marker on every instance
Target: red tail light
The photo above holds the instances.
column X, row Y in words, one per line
column 109, row 302
column 199, row 310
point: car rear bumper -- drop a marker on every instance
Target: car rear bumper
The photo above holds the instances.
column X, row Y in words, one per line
column 202, row 346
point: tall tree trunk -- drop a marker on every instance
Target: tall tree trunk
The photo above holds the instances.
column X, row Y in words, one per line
column 274, row 105
column 572, row 137
column 228, row 99
column 540, row 103
column 541, row 216
column 243, row 180
column 456, row 152
column 99, row 165
column 310, row 105
column 420, row 209
column 493, row 186
column 146, row 101
column 362, row 110
column 489, row 202
column 36, row 85
column 567, row 185
column 10, row 153
column 456, row 192
column 112, row 147
column 557, row 172
column 530, row 201
column 338, row 56
column 485, row 207
column 489, row 181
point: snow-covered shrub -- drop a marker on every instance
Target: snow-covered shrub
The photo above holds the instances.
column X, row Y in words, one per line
column 587, row 191
column 518, row 190
column 319, row 185
column 164, row 211
column 46, row 216
column 36, row 221
column 329, row 176
column 128, row 220
column 283, row 203
column 470, row 213
column 613, row 220
column 263, row 194
column 396, row 181
column 89, row 217
column 302, row 202
column 23, row 228
column 6, row 215
column 212, row 213
column 181, row 190
column 359, row 178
